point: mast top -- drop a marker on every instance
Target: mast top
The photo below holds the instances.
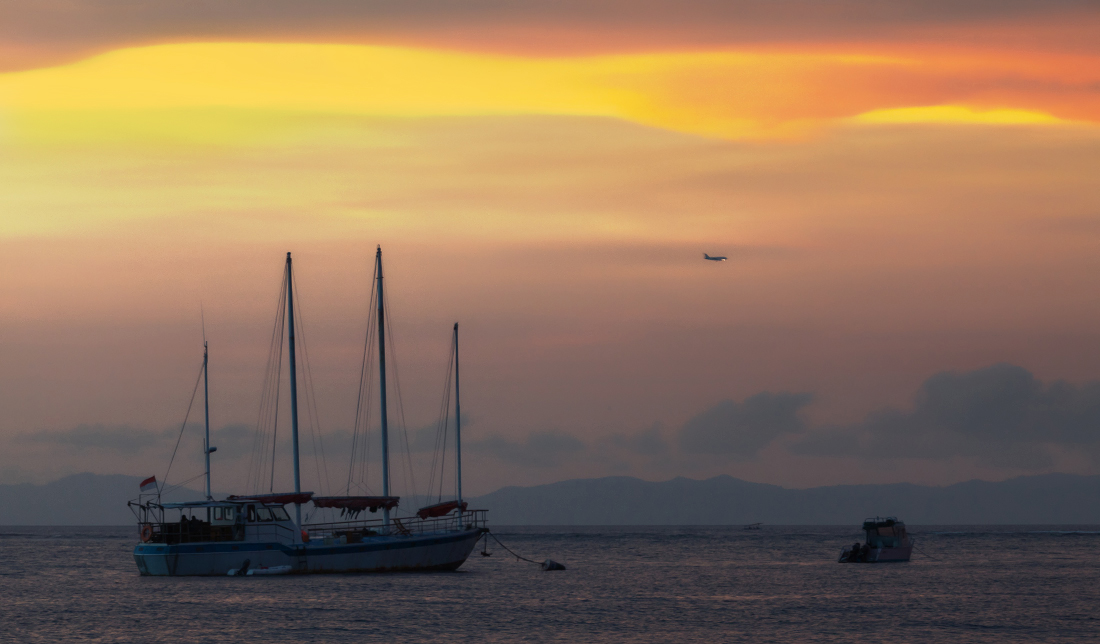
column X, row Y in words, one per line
column 456, row 326
column 288, row 254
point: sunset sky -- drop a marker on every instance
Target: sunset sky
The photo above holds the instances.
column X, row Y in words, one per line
column 908, row 193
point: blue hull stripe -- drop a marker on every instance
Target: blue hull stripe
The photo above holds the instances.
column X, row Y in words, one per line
column 297, row 550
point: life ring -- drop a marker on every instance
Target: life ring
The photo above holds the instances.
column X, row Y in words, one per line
column 305, row 536
column 146, row 533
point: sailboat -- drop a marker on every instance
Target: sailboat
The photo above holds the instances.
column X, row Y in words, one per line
column 254, row 533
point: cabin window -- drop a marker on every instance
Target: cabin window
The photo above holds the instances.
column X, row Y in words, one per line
column 263, row 514
column 251, row 513
column 228, row 514
column 280, row 514
column 217, row 514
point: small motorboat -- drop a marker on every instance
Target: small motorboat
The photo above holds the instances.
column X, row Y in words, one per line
column 753, row 526
column 886, row 541
column 245, row 571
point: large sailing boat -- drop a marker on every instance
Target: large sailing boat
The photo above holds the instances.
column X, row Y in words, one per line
column 254, row 534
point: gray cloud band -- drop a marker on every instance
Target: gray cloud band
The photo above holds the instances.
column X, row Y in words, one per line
column 1000, row 415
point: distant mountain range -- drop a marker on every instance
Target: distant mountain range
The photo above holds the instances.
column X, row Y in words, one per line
column 90, row 499
column 80, row 499
column 724, row 500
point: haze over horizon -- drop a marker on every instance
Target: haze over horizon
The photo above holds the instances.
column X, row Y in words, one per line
column 908, row 197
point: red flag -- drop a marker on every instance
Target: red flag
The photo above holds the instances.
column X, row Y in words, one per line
column 149, row 484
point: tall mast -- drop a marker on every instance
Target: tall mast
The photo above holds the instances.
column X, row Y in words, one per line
column 293, row 386
column 206, row 403
column 458, row 431
column 382, row 385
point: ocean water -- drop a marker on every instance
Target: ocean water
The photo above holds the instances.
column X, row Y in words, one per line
column 623, row 584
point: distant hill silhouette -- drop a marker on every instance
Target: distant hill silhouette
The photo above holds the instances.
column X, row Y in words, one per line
column 80, row 499
column 90, row 499
column 1044, row 499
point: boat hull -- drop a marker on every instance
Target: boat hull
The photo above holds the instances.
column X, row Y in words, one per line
column 886, row 555
column 880, row 555
column 421, row 552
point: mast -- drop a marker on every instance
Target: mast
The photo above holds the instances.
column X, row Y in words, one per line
column 458, row 431
column 206, row 404
column 382, row 385
column 293, row 387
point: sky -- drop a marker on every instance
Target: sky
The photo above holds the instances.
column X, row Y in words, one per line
column 907, row 193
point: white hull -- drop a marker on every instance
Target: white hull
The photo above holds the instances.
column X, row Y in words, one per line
column 882, row 555
column 421, row 552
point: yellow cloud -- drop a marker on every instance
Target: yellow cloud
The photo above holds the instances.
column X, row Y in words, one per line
column 948, row 114
column 714, row 94
column 198, row 92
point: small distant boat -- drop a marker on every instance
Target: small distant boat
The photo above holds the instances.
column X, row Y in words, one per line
column 886, row 541
column 753, row 526
column 245, row 571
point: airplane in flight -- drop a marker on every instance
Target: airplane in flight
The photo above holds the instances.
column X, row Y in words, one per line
column 714, row 259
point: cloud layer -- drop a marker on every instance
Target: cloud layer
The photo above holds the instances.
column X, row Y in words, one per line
column 742, row 429
column 1000, row 415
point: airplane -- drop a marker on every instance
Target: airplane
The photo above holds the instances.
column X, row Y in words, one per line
column 714, row 259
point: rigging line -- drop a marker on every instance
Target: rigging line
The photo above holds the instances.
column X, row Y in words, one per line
column 311, row 401
column 446, row 427
column 359, row 401
column 363, row 368
column 271, row 377
column 260, row 440
column 272, row 384
column 363, row 406
column 169, row 488
column 442, row 424
column 367, row 443
column 407, row 473
column 442, row 427
column 278, row 381
column 369, row 400
column 184, row 426
column 411, row 482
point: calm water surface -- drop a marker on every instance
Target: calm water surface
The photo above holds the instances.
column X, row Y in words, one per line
column 624, row 584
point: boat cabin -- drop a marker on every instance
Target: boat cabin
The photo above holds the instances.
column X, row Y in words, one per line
column 885, row 532
column 205, row 521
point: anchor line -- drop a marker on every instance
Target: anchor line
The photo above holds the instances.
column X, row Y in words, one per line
column 925, row 553
column 490, row 534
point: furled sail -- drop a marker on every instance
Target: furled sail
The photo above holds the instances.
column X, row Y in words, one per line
column 439, row 509
column 357, row 503
column 279, row 498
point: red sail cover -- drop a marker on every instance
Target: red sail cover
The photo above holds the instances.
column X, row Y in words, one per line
column 439, row 509
column 371, row 503
column 274, row 499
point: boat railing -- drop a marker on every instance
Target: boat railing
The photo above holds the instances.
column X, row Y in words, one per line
column 176, row 532
column 269, row 532
column 354, row 531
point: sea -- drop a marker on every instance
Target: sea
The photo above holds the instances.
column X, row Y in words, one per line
column 621, row 584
